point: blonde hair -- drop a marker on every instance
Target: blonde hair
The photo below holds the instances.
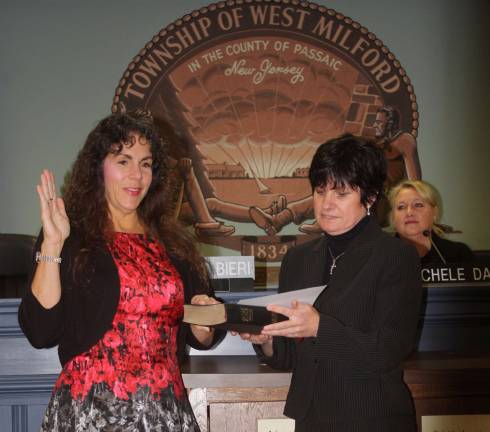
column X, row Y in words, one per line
column 426, row 191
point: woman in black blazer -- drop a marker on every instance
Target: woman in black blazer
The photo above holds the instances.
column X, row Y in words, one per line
column 345, row 350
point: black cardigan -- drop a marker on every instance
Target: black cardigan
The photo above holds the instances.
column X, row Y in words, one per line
column 369, row 312
column 86, row 309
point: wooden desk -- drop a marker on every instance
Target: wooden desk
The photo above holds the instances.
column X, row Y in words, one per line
column 444, row 383
column 229, row 393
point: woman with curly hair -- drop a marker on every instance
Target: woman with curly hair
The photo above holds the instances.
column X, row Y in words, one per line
column 111, row 274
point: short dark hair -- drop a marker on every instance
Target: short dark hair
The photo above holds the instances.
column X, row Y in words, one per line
column 350, row 161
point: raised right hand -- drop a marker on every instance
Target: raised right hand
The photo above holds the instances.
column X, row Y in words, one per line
column 56, row 225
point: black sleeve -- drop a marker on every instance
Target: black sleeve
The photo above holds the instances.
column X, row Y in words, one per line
column 391, row 337
column 465, row 254
column 193, row 285
column 42, row 327
column 284, row 349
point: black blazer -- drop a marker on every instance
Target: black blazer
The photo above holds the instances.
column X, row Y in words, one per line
column 453, row 252
column 368, row 318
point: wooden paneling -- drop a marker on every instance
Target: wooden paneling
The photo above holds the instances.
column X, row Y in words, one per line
column 26, row 417
column 242, row 417
column 23, row 400
column 246, row 394
column 199, row 403
column 449, row 383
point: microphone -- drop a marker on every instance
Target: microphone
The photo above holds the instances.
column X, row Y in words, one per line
column 426, row 233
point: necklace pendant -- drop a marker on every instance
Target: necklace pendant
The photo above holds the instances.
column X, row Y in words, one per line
column 334, row 260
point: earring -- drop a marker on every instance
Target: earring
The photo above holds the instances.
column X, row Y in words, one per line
column 369, row 211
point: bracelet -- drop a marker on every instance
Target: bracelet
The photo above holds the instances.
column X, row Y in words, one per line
column 47, row 258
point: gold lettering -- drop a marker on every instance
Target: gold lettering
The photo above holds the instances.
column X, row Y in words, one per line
column 302, row 14
column 246, row 314
column 239, row 67
column 258, row 14
column 184, row 37
column 131, row 91
column 359, row 45
column 337, row 33
column 288, row 19
column 141, row 79
column 150, row 65
column 370, row 57
column 171, row 44
column 196, row 31
column 246, row 46
column 317, row 55
column 274, row 15
column 225, row 20
column 382, row 69
column 237, row 16
column 323, row 28
column 343, row 42
column 163, row 54
column 394, row 82
column 268, row 68
column 204, row 23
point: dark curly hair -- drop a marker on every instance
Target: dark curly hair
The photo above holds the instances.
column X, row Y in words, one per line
column 84, row 191
column 350, row 161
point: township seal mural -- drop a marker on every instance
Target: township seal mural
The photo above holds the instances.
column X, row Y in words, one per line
column 246, row 90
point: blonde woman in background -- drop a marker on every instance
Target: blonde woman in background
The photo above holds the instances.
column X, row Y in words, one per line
column 415, row 211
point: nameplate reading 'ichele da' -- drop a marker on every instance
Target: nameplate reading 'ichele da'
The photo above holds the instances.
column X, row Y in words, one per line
column 456, row 273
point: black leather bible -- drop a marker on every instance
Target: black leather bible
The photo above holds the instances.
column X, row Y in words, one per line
column 232, row 317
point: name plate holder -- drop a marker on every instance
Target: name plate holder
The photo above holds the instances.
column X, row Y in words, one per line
column 456, row 274
column 455, row 313
column 232, row 273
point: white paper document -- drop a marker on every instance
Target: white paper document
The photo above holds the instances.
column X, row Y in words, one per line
column 307, row 295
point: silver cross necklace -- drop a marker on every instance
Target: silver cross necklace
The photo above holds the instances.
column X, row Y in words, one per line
column 334, row 259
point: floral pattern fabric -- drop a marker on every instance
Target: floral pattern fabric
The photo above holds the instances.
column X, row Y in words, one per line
column 130, row 380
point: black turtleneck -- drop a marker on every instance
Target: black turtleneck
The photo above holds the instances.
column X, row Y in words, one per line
column 338, row 244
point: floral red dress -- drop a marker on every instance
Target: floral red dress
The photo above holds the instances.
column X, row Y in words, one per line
column 130, row 380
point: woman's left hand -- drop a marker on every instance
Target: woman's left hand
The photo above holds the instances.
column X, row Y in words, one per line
column 203, row 299
column 202, row 333
column 303, row 321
